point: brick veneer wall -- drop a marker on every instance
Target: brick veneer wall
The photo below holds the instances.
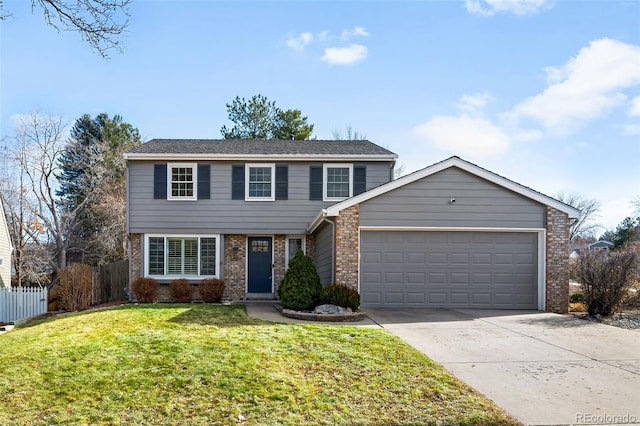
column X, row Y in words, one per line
column 310, row 245
column 279, row 261
column 135, row 256
column 235, row 266
column 347, row 247
column 557, row 294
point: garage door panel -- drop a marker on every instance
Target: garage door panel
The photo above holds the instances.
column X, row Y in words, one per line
column 449, row 269
column 416, row 298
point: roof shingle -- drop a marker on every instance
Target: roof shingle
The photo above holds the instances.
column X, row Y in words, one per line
column 264, row 147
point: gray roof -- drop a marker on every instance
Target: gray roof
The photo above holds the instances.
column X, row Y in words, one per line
column 263, row 147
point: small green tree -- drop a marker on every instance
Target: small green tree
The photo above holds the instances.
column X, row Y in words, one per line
column 300, row 288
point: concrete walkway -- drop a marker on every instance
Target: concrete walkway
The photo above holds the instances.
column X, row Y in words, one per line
column 542, row 368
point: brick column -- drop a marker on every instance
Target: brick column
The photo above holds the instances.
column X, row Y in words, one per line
column 235, row 254
column 557, row 294
column 135, row 257
column 310, row 245
column 347, row 248
column 278, row 261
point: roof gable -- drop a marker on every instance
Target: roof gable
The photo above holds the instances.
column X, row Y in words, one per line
column 471, row 168
column 235, row 149
column 5, row 225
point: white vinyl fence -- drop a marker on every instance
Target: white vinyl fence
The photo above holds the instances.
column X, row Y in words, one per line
column 18, row 303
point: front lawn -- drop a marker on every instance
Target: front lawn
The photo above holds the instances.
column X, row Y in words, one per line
column 207, row 364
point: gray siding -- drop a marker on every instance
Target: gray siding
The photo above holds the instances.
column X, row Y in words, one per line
column 5, row 252
column 479, row 203
column 323, row 256
column 221, row 214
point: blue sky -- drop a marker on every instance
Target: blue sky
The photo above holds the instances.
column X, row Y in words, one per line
column 544, row 93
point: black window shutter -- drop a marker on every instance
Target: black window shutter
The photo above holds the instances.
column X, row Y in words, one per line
column 204, row 181
column 282, row 182
column 359, row 179
column 160, row 181
column 315, row 183
column 237, row 182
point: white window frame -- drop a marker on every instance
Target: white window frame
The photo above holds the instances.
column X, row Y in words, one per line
column 286, row 247
column 247, row 170
column 166, row 237
column 194, row 174
column 325, row 168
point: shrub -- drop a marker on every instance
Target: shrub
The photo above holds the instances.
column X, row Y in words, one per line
column 300, row 288
column 211, row 290
column 576, row 297
column 341, row 295
column 181, row 291
column 145, row 289
column 606, row 278
column 75, row 292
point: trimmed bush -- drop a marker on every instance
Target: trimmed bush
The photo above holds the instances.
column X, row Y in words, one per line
column 145, row 289
column 181, row 291
column 211, row 290
column 606, row 278
column 577, row 297
column 75, row 289
column 341, row 295
column 300, row 288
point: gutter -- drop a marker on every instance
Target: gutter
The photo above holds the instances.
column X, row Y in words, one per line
column 317, row 221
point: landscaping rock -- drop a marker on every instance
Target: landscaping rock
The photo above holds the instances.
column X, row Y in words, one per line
column 330, row 309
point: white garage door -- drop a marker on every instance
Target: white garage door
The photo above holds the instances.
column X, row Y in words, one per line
column 453, row 269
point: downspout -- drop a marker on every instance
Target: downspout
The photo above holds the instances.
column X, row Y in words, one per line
column 333, row 248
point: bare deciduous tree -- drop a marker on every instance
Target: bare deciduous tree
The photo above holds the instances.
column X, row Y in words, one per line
column 350, row 134
column 99, row 22
column 586, row 225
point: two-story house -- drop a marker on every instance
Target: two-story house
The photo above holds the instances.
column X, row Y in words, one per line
column 450, row 235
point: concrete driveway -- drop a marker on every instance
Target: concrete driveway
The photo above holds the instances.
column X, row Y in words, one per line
column 541, row 368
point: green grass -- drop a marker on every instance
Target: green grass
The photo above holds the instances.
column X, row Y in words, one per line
column 206, row 364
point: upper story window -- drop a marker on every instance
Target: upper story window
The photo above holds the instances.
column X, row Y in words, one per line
column 337, row 182
column 182, row 179
column 260, row 182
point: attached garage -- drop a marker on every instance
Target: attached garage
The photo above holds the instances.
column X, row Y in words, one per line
column 452, row 235
column 449, row 269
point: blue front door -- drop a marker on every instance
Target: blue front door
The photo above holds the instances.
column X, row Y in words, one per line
column 259, row 265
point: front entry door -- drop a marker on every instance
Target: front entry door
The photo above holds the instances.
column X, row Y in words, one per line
column 259, row 265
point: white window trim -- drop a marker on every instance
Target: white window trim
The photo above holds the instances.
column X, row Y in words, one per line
column 324, row 180
column 166, row 251
column 247, row 168
column 286, row 248
column 194, row 168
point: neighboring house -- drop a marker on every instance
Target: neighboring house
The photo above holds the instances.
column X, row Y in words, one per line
column 602, row 245
column 452, row 235
column 6, row 250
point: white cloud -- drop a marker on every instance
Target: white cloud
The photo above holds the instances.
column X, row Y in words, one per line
column 584, row 88
column 474, row 104
column 491, row 7
column 300, row 42
column 634, row 111
column 323, row 36
column 631, row 129
column 345, row 55
column 355, row 32
column 464, row 135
